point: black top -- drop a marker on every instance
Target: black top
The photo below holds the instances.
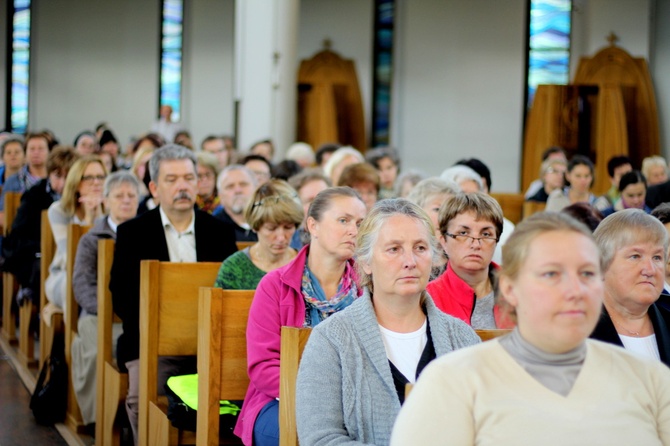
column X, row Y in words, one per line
column 540, row 196
column 241, row 234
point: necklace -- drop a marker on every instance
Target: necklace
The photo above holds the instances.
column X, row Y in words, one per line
column 637, row 334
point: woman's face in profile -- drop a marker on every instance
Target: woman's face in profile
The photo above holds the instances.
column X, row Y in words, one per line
column 558, row 292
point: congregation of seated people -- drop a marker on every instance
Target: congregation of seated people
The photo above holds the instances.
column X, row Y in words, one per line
column 394, row 271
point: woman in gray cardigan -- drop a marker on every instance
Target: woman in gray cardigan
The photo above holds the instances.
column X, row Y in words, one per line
column 355, row 366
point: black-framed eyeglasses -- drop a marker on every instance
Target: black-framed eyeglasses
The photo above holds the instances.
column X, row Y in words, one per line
column 462, row 238
column 92, row 178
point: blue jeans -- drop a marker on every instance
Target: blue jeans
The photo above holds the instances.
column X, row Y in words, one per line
column 266, row 427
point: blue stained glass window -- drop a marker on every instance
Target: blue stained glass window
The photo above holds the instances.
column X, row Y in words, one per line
column 383, row 71
column 549, row 44
column 20, row 66
column 171, row 55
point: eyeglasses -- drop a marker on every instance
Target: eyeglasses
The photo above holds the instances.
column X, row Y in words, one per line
column 205, row 176
column 462, row 238
column 553, row 170
column 273, row 199
column 92, row 178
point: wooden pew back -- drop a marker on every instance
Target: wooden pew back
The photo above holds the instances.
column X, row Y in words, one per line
column 12, row 201
column 168, row 323
column 47, row 252
column 222, row 355
column 511, row 204
column 293, row 341
column 487, row 335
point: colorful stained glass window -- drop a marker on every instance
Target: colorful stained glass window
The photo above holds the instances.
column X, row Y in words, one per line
column 549, row 44
column 383, row 71
column 171, row 55
column 20, row 66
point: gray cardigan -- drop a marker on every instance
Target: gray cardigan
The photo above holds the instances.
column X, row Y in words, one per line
column 345, row 391
column 85, row 276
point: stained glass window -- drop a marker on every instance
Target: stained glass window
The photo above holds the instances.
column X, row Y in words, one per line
column 171, row 55
column 20, row 66
column 383, row 71
column 549, row 43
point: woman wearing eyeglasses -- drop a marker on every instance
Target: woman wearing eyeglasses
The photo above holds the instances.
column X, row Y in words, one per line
column 81, row 203
column 318, row 282
column 274, row 213
column 470, row 227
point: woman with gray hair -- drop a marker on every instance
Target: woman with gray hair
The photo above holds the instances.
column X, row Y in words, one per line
column 429, row 194
column 121, row 193
column 633, row 249
column 354, row 369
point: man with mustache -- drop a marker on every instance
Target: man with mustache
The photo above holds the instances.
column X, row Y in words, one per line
column 236, row 184
column 174, row 232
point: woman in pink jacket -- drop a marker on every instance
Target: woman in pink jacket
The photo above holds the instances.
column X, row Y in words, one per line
column 319, row 282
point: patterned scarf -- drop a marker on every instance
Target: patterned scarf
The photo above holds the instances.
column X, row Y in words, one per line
column 317, row 306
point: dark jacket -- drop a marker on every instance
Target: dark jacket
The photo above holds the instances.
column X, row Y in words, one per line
column 143, row 238
column 22, row 245
column 660, row 319
column 241, row 234
column 657, row 194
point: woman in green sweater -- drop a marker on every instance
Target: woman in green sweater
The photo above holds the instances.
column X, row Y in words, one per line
column 274, row 213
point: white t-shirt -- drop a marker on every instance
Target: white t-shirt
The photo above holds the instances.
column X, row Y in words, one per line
column 404, row 349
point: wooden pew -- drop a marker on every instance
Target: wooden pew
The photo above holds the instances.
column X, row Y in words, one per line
column 242, row 245
column 511, row 204
column 168, row 327
column 293, row 341
column 222, row 356
column 531, row 207
column 73, row 418
column 47, row 250
column 9, row 285
column 487, row 335
column 111, row 384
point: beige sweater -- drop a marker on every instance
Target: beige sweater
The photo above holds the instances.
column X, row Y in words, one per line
column 481, row 396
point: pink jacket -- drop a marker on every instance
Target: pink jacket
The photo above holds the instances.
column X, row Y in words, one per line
column 277, row 302
column 455, row 297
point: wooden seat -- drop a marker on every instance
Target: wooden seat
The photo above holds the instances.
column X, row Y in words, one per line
column 293, row 341
column 74, row 233
column 111, row 384
column 243, row 245
column 487, row 335
column 9, row 285
column 222, row 357
column 512, row 205
column 47, row 252
column 168, row 327
column 532, row 207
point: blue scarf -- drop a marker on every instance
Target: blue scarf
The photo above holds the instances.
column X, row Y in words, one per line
column 317, row 306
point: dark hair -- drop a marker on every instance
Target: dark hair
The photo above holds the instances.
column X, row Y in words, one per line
column 580, row 160
column 584, row 213
column 374, row 156
column 286, row 169
column 323, row 201
column 253, row 157
column 209, row 138
column 632, row 177
column 264, row 141
column 107, row 136
column 551, row 150
column 617, row 161
column 42, row 135
column 328, row 147
column 61, row 158
column 662, row 212
column 82, row 134
column 479, row 167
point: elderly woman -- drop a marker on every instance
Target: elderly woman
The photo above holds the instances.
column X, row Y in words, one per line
column 580, row 177
column 354, row 369
column 632, row 190
column 317, row 283
column 552, row 175
column 633, row 247
column 406, row 182
column 470, row 227
column 208, row 169
column 545, row 383
column 341, row 158
column 121, row 192
column 655, row 170
column 429, row 194
column 81, row 203
column 273, row 213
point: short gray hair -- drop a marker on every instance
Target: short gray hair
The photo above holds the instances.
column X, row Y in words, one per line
column 118, row 178
column 10, row 139
column 626, row 227
column 224, row 173
column 368, row 232
column 460, row 173
column 169, row 152
column 430, row 187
